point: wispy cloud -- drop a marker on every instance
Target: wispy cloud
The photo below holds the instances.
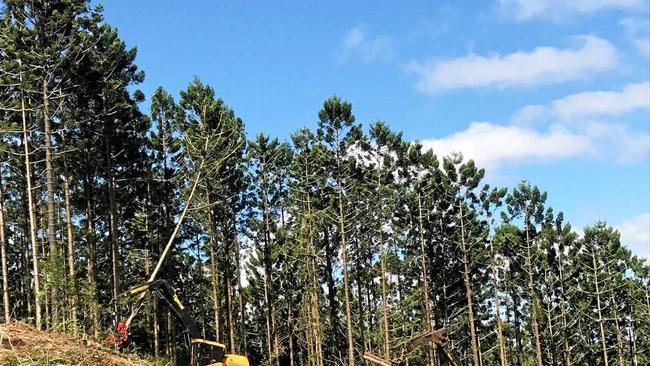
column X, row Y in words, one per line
column 542, row 65
column 358, row 44
column 638, row 32
column 617, row 141
column 492, row 145
column 591, row 104
column 521, row 10
column 600, row 116
column 579, row 125
column 635, row 234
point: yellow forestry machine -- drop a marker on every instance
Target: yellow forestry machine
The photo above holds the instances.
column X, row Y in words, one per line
column 203, row 352
column 439, row 338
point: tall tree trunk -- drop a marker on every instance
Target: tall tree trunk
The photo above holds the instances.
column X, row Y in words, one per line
column 619, row 334
column 25, row 263
column 32, row 218
column 359, row 279
column 632, row 336
column 468, row 289
column 267, row 314
column 535, row 301
column 165, row 228
column 151, row 314
column 51, row 225
column 228, row 288
column 47, row 292
column 156, row 328
column 147, row 270
column 215, row 282
column 112, row 221
column 346, row 278
column 3, row 251
column 601, row 322
column 240, row 297
column 313, row 308
column 274, row 328
column 550, row 346
column 231, row 321
column 425, row 278
column 71, row 250
column 443, row 275
column 70, row 242
column 518, row 337
column 305, row 312
column 330, row 255
column 563, row 310
column 91, row 252
column 503, row 358
column 64, row 304
column 371, row 301
column 384, row 296
column 290, row 331
column 112, row 202
column 171, row 331
column 268, row 277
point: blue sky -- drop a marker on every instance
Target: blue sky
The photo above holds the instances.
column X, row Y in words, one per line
column 550, row 91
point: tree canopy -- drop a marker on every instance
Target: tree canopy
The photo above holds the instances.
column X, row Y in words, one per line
column 347, row 238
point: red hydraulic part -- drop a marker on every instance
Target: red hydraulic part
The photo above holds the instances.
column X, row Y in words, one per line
column 123, row 333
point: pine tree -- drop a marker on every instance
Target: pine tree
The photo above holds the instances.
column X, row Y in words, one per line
column 213, row 146
column 304, row 184
column 162, row 187
column 527, row 203
column 266, row 184
column 464, row 179
column 337, row 133
column 382, row 202
column 306, row 253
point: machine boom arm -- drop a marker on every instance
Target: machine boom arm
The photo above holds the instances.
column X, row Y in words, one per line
column 167, row 293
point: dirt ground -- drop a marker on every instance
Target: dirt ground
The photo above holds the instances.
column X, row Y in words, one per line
column 23, row 345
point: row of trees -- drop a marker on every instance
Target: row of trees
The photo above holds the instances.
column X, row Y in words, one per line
column 308, row 252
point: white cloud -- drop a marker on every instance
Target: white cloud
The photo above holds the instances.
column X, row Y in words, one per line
column 616, row 141
column 492, row 145
column 637, row 31
column 599, row 116
column 560, row 9
column 635, row 234
column 543, row 65
column 358, row 44
column 588, row 105
column 577, row 125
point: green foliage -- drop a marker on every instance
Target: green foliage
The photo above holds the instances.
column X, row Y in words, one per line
column 288, row 248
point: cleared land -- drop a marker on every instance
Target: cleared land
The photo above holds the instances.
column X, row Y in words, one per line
column 23, row 345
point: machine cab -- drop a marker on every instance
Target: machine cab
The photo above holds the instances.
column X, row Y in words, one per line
column 210, row 353
column 206, row 353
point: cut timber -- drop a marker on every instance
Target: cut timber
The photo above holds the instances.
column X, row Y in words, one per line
column 439, row 338
column 369, row 356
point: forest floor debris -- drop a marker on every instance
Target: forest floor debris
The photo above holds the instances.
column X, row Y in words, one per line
column 23, row 345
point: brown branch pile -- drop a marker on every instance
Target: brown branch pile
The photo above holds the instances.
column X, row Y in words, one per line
column 23, row 345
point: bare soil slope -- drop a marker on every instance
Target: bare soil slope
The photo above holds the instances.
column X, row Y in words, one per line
column 23, row 345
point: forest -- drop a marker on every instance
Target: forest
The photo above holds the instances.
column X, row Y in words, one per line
column 343, row 239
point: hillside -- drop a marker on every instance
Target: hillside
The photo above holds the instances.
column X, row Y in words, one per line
column 23, row 345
